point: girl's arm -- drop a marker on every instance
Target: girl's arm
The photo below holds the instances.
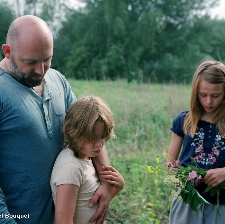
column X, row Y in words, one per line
column 214, row 177
column 66, row 196
column 114, row 178
column 174, row 148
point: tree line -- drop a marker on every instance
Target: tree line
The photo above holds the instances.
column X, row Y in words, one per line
column 137, row 40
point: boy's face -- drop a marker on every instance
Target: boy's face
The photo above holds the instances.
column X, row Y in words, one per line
column 93, row 148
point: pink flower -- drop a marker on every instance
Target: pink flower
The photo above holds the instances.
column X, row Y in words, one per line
column 216, row 151
column 192, row 175
column 199, row 148
column 174, row 165
column 198, row 157
column 213, row 160
column 177, row 162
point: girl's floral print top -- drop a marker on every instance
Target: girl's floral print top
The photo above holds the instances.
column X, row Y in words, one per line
column 207, row 156
column 207, row 147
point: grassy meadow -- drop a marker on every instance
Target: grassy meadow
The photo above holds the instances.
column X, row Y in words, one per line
column 143, row 115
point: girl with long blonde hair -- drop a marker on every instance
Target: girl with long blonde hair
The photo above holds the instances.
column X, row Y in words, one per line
column 198, row 139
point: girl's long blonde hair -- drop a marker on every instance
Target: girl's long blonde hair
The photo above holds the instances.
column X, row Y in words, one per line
column 80, row 120
column 214, row 73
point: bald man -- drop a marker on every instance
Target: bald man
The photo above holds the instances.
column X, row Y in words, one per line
column 33, row 102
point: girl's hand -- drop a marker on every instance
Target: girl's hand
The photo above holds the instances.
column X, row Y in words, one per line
column 112, row 176
column 214, row 177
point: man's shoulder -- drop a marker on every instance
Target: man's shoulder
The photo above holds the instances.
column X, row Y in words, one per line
column 52, row 75
column 52, row 71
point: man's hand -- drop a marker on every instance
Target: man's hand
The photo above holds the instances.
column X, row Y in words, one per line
column 103, row 195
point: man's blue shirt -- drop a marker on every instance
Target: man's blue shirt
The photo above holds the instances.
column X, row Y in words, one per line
column 30, row 140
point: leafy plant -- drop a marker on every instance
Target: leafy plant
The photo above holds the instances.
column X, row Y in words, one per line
column 185, row 179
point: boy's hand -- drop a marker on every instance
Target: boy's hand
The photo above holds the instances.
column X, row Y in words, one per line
column 112, row 176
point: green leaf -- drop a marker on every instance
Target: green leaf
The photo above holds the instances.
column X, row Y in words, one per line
column 201, row 199
column 194, row 202
column 213, row 191
column 188, row 192
column 184, row 194
column 208, row 189
column 191, row 196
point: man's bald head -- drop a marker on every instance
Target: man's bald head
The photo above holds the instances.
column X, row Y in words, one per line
column 28, row 50
column 27, row 26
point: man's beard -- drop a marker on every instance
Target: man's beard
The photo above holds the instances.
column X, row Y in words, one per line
column 23, row 78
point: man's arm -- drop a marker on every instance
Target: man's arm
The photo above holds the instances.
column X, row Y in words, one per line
column 103, row 194
column 4, row 213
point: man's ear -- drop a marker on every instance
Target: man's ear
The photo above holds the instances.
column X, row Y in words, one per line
column 6, row 50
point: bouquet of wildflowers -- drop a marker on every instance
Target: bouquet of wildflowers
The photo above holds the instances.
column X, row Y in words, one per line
column 184, row 179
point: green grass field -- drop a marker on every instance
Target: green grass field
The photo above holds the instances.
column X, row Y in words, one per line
column 143, row 115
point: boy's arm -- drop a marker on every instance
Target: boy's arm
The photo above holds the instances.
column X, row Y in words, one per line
column 65, row 203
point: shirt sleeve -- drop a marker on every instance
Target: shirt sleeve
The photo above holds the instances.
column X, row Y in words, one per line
column 4, row 213
column 69, row 173
column 178, row 124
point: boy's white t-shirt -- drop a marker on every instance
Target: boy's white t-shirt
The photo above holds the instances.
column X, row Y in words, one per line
column 71, row 170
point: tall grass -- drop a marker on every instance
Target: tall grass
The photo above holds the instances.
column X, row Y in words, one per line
column 143, row 115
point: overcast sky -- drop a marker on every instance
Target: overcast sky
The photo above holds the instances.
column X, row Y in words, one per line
column 219, row 11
